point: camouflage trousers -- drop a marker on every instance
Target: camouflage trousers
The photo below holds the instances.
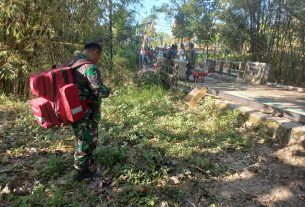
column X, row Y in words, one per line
column 86, row 132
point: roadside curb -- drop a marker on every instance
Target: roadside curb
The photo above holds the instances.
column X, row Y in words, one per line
column 287, row 132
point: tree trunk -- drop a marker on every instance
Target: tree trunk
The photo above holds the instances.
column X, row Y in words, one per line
column 215, row 48
column 110, row 33
column 26, row 89
column 207, row 54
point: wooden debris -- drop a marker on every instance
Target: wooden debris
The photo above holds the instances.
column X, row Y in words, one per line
column 192, row 99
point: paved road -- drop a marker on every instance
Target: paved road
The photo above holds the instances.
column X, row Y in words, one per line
column 290, row 104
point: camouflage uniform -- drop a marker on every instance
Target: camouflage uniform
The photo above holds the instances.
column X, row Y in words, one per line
column 191, row 60
column 92, row 89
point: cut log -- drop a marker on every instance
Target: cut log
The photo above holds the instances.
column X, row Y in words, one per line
column 192, row 99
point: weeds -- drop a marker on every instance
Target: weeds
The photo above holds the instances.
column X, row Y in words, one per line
column 52, row 167
column 147, row 136
column 108, row 155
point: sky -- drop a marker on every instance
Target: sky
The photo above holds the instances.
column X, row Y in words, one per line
column 162, row 24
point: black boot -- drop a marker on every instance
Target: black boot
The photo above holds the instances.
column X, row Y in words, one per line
column 86, row 174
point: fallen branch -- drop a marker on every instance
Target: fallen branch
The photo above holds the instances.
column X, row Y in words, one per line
column 198, row 168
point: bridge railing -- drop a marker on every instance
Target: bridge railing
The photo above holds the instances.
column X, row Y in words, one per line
column 173, row 72
column 229, row 68
column 252, row 72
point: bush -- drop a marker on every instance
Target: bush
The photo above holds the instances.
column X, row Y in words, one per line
column 108, row 155
column 51, row 168
column 149, row 79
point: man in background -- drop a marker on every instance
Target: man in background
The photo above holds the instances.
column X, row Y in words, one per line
column 191, row 60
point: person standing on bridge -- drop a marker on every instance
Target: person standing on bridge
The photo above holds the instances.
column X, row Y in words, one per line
column 191, row 60
column 172, row 53
column 181, row 53
column 170, row 56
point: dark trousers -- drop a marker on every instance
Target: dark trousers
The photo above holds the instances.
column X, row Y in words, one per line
column 189, row 70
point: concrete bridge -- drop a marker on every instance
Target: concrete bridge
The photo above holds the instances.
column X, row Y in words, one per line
column 242, row 82
column 245, row 86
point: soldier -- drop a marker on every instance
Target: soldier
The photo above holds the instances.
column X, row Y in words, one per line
column 91, row 90
column 191, row 60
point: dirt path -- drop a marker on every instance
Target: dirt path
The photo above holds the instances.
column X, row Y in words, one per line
column 258, row 178
column 261, row 179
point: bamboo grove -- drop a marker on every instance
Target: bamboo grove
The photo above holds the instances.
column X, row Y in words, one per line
column 35, row 34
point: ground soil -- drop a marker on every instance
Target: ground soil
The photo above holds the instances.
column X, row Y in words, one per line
column 264, row 176
column 259, row 178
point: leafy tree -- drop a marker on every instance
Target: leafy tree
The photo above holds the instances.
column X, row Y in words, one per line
column 195, row 18
column 268, row 31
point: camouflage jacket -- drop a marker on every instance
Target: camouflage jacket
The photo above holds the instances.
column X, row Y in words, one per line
column 191, row 57
column 89, row 80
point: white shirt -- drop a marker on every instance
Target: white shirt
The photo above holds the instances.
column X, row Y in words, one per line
column 180, row 53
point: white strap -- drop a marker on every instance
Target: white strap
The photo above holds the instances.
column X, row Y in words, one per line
column 77, row 110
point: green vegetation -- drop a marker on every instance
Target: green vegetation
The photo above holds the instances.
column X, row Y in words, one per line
column 33, row 38
column 150, row 145
column 52, row 167
column 269, row 31
column 153, row 149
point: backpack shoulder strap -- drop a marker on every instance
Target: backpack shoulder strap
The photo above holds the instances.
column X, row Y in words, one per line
column 80, row 63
